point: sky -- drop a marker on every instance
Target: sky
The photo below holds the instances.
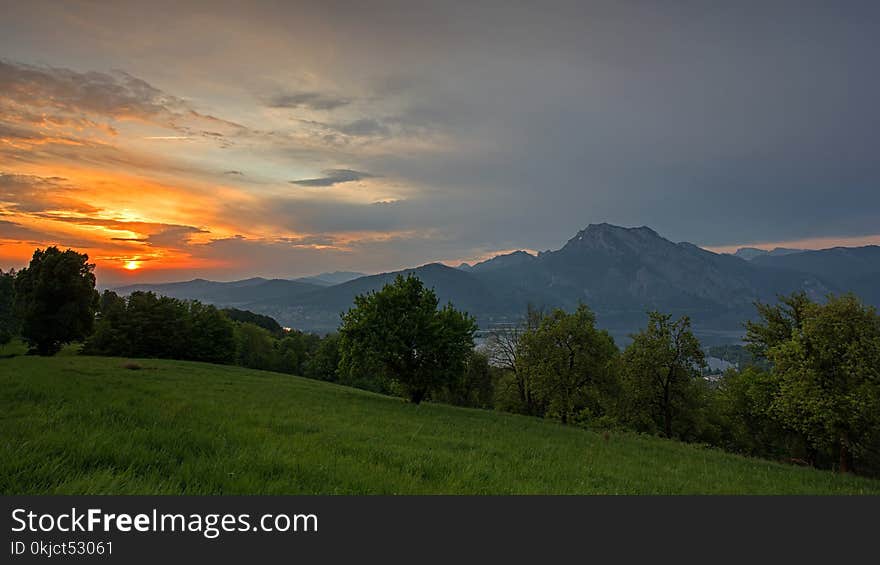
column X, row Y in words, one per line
column 173, row 140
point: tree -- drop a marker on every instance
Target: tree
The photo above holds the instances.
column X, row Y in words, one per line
column 157, row 326
column 778, row 323
column 265, row 322
column 212, row 334
column 8, row 321
column 744, row 399
column 505, row 352
column 146, row 325
column 662, row 373
column 324, row 362
column 828, row 375
column 112, row 328
column 292, row 350
column 472, row 387
column 567, row 356
column 254, row 347
column 55, row 299
column 399, row 333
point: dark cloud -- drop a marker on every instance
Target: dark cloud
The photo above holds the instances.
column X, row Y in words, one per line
column 309, row 100
column 17, row 232
column 173, row 236
column 334, row 176
column 36, row 195
column 236, row 173
column 366, row 127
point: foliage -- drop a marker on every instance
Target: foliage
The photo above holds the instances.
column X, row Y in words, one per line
column 8, row 320
column 828, row 376
column 254, row 347
column 293, row 351
column 744, row 399
column 399, row 334
column 661, row 377
column 146, row 325
column 505, row 352
column 778, row 324
column 267, row 323
column 568, row 360
column 55, row 299
column 323, row 364
column 472, row 387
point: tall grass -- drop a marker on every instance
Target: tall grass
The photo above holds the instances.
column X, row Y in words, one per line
column 95, row 425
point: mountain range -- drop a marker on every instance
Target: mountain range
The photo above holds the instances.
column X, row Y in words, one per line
column 749, row 253
column 619, row 272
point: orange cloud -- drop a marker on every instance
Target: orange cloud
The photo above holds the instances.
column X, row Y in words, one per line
column 140, row 180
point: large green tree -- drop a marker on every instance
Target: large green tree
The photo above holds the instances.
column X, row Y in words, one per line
column 828, row 375
column 568, row 359
column 661, row 375
column 55, row 299
column 400, row 333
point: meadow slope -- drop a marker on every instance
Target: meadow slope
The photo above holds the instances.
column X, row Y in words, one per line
column 88, row 425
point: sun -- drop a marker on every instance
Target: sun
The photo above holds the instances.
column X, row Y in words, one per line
column 132, row 265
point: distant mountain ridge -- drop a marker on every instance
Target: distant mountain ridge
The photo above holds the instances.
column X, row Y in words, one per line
column 619, row 272
column 849, row 269
column 749, row 253
column 329, row 279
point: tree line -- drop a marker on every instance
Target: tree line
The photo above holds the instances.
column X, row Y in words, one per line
column 807, row 391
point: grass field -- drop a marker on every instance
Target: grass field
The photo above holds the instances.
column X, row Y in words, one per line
column 88, row 425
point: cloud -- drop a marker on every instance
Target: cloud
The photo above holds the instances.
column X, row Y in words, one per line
column 35, row 195
column 17, row 232
column 45, row 99
column 308, row 100
column 366, row 127
column 173, row 236
column 236, row 173
column 118, row 95
column 334, row 176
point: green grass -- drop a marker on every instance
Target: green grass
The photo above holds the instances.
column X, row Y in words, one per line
column 13, row 348
column 88, row 425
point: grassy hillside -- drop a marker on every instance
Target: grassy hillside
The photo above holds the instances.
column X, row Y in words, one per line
column 88, row 425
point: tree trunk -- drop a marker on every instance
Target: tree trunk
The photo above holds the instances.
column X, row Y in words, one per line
column 844, row 456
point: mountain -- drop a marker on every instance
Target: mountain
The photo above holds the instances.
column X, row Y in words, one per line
column 619, row 272
column 329, row 279
column 749, row 253
column 499, row 262
column 855, row 269
column 623, row 272
column 235, row 293
column 837, row 263
column 319, row 310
